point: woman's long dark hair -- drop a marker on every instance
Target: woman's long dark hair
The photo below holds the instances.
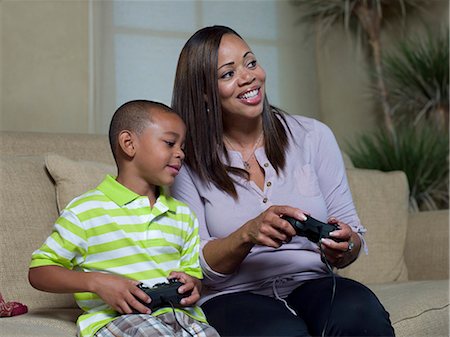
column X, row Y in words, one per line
column 196, row 99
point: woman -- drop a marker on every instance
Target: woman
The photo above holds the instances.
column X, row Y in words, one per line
column 247, row 165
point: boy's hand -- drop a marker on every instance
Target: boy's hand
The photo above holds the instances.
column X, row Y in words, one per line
column 190, row 283
column 120, row 293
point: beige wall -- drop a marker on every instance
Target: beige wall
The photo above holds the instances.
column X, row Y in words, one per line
column 45, row 83
column 297, row 65
column 44, row 65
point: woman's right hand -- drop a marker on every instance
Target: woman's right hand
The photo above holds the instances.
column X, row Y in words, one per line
column 225, row 255
column 269, row 229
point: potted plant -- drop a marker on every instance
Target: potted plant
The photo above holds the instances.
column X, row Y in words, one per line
column 417, row 77
column 412, row 85
column 366, row 18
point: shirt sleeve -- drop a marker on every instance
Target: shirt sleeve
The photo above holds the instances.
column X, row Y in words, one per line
column 330, row 168
column 190, row 252
column 65, row 247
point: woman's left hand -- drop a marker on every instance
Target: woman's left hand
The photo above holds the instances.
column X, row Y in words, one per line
column 343, row 247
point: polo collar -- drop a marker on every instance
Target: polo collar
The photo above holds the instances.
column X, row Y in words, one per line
column 122, row 196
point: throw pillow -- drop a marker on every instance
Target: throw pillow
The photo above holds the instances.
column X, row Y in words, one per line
column 73, row 178
column 381, row 200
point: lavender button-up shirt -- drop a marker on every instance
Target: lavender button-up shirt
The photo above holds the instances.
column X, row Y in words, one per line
column 313, row 180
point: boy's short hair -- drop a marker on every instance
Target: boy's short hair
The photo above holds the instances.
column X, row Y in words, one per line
column 133, row 116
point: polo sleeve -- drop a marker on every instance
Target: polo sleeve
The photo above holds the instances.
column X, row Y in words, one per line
column 190, row 263
column 65, row 247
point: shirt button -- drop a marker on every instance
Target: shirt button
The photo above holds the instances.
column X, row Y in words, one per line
column 265, row 200
column 266, row 164
column 269, row 184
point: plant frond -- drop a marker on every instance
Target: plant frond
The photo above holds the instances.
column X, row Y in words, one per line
column 329, row 12
column 417, row 76
column 421, row 152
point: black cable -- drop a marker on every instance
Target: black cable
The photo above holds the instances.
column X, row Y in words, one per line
column 333, row 291
column 176, row 319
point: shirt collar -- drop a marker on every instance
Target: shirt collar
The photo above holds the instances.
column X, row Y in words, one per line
column 121, row 195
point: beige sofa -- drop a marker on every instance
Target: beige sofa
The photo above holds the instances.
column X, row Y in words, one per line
column 407, row 265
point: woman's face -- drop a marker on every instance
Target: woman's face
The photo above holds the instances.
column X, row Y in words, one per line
column 241, row 79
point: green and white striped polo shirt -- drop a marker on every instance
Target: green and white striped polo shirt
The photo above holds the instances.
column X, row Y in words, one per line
column 115, row 230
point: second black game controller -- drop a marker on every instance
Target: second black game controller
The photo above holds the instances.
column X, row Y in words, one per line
column 311, row 228
column 164, row 294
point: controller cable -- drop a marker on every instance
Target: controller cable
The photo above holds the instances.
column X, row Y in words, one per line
column 176, row 319
column 330, row 269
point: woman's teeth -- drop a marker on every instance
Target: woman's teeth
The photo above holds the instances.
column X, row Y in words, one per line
column 250, row 94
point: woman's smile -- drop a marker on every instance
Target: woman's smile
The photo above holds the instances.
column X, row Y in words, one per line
column 251, row 97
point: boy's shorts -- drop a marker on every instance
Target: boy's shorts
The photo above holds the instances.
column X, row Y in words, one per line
column 142, row 325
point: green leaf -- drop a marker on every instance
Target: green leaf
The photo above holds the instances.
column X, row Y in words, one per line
column 421, row 152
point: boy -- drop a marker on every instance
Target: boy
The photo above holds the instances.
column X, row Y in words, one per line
column 127, row 231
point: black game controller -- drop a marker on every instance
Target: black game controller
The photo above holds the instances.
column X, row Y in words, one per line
column 164, row 294
column 311, row 228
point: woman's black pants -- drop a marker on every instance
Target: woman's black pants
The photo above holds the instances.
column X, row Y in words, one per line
column 355, row 311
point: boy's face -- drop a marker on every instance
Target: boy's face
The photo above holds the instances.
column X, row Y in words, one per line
column 159, row 149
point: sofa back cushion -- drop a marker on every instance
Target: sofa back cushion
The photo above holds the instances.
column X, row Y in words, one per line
column 381, row 200
column 28, row 211
column 426, row 250
column 75, row 177
column 74, row 146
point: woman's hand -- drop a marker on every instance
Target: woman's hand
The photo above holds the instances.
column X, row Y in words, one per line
column 343, row 248
column 190, row 284
column 268, row 229
column 225, row 255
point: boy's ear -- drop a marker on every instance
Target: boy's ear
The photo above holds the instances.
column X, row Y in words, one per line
column 126, row 143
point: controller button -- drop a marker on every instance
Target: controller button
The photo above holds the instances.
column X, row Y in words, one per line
column 351, row 244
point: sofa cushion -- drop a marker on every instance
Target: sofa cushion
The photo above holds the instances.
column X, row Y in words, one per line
column 417, row 308
column 28, row 212
column 73, row 178
column 41, row 323
column 381, row 200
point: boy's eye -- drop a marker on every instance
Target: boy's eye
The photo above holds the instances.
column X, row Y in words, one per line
column 170, row 143
column 252, row 64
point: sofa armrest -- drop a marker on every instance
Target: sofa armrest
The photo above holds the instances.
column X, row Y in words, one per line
column 426, row 249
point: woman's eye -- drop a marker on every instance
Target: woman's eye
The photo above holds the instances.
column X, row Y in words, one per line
column 252, row 64
column 227, row 74
column 169, row 143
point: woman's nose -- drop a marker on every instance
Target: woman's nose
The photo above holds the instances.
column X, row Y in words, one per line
column 246, row 76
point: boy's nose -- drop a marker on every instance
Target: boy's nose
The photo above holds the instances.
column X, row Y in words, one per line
column 179, row 154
